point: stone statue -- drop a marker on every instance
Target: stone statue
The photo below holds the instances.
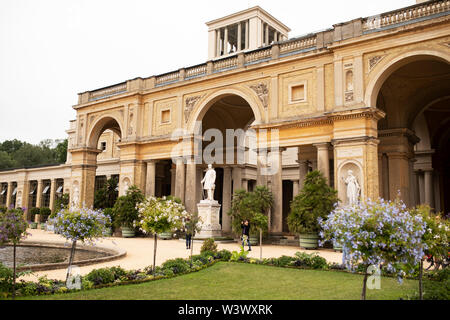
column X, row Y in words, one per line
column 353, row 188
column 76, row 195
column 125, row 186
column 208, row 182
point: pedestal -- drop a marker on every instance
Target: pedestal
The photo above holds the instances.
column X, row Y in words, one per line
column 209, row 212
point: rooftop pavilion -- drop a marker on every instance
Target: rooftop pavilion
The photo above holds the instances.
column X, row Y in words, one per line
column 244, row 31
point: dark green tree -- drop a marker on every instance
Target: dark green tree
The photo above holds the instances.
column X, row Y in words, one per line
column 61, row 151
column 124, row 210
column 106, row 197
column 317, row 199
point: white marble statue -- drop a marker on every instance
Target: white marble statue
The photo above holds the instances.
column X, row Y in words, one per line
column 208, row 182
column 125, row 186
column 76, row 196
column 353, row 188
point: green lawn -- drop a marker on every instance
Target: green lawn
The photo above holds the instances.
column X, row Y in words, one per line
column 232, row 281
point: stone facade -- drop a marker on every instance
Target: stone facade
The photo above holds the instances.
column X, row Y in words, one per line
column 331, row 96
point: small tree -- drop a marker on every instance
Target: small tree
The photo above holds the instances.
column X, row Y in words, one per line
column 260, row 221
column 317, row 199
column 246, row 204
column 61, row 202
column 253, row 206
column 125, row 210
column 435, row 238
column 106, row 197
column 157, row 215
column 83, row 225
column 13, row 228
column 375, row 233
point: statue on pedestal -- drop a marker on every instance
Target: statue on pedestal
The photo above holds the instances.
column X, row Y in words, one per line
column 353, row 188
column 208, row 182
column 209, row 209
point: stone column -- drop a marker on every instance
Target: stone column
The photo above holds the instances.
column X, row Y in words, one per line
column 303, row 172
column 9, row 194
column 277, row 190
column 150, row 181
column 399, row 178
column 323, row 159
column 413, row 181
column 191, row 186
column 180, row 179
column 245, row 184
column 39, row 190
column 173, row 175
column 421, row 186
column 52, row 194
column 429, row 188
column 84, row 167
column 385, row 177
column 199, row 189
column 237, row 178
column 226, row 200
column 296, row 188
column 239, row 37
column 225, row 42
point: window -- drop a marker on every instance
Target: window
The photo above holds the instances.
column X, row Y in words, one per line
column 297, row 92
column 165, row 116
column 103, row 146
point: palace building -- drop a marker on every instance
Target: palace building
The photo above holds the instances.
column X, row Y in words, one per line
column 371, row 95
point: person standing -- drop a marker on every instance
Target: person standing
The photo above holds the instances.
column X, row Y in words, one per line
column 245, row 225
column 189, row 230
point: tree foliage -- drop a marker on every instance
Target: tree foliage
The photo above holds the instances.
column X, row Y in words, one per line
column 106, row 197
column 252, row 206
column 125, row 211
column 19, row 154
column 316, row 200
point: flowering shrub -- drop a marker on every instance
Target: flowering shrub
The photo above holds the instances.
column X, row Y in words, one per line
column 437, row 233
column 157, row 215
column 13, row 226
column 81, row 224
column 375, row 233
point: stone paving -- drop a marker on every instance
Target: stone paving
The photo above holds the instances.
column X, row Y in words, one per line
column 140, row 252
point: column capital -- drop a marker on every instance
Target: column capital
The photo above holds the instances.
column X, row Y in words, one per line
column 322, row 145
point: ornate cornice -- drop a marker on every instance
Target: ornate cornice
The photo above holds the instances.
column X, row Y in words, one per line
column 327, row 119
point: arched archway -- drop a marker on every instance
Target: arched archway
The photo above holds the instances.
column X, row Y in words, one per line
column 412, row 89
column 93, row 165
column 223, row 118
column 208, row 101
column 99, row 127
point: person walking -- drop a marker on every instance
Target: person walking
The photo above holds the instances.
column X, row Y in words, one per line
column 245, row 225
column 189, row 230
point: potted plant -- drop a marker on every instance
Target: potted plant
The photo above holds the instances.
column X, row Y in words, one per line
column 315, row 201
column 125, row 211
column 108, row 228
column 45, row 214
column 34, row 212
column 166, row 235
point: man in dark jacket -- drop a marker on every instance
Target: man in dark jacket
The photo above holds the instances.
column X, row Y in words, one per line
column 245, row 225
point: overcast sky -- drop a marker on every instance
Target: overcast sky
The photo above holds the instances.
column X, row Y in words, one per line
column 52, row 50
